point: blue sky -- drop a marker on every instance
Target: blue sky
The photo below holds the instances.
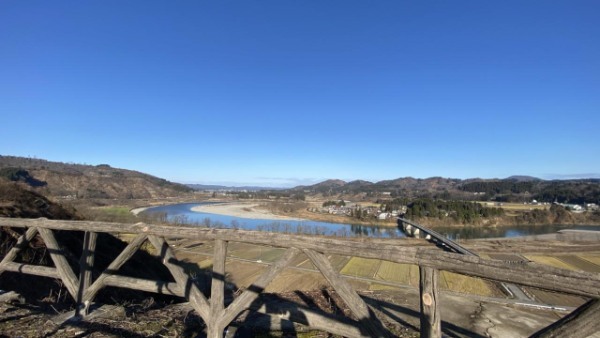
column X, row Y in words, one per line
column 282, row 93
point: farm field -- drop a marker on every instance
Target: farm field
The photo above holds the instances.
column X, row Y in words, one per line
column 551, row 261
column 361, row 267
column 592, row 258
column 515, row 206
column 465, row 284
column 580, row 263
column 245, row 263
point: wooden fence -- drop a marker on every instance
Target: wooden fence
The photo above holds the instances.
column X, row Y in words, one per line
column 582, row 322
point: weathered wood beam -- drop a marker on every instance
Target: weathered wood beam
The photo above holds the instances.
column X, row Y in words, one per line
column 191, row 292
column 581, row 323
column 529, row 274
column 30, row 269
column 358, row 307
column 21, row 244
column 217, row 291
column 367, row 247
column 91, row 292
column 242, row 302
column 60, row 261
column 431, row 324
column 147, row 285
column 86, row 265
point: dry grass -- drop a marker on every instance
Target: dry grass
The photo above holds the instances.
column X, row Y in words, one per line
column 551, row 261
column 515, row 206
column 464, row 284
column 361, row 267
column 580, row 264
column 592, row 258
column 394, row 272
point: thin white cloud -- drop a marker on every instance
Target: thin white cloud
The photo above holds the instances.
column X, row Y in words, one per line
column 571, row 176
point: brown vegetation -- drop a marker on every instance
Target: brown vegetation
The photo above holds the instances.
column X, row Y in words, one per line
column 76, row 181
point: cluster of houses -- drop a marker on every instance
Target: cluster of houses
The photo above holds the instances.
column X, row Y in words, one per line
column 350, row 209
column 581, row 208
column 572, row 207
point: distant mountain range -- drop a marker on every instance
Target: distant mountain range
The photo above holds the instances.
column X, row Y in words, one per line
column 68, row 180
column 511, row 189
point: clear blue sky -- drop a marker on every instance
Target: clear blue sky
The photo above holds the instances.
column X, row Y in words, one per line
column 293, row 92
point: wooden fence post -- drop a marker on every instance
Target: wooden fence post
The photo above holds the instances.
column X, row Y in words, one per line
column 431, row 325
column 86, row 264
column 217, row 291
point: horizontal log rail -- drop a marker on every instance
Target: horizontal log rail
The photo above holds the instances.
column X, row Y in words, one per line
column 217, row 316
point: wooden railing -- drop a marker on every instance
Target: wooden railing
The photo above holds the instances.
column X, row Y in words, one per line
column 582, row 322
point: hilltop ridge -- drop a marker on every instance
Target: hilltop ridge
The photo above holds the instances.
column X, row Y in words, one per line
column 510, row 189
column 68, row 180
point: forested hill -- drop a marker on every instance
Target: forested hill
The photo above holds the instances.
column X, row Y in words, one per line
column 512, row 189
column 67, row 180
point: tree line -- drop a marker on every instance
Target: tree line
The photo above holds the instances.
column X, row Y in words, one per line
column 459, row 211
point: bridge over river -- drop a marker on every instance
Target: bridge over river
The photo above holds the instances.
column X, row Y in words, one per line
column 218, row 310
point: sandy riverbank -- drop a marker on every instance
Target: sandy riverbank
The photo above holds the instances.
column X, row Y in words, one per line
column 245, row 210
column 136, row 211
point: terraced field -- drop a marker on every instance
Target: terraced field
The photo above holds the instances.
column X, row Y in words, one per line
column 551, row 261
column 394, row 272
column 361, row 267
column 243, row 268
column 464, row 284
column 580, row 263
column 592, row 258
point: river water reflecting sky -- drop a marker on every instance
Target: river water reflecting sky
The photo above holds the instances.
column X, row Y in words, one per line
column 182, row 214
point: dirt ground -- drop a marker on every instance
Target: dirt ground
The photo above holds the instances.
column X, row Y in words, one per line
column 398, row 309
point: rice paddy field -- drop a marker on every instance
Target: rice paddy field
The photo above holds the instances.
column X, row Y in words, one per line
column 246, row 262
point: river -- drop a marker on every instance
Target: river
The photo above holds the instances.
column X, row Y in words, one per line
column 182, row 214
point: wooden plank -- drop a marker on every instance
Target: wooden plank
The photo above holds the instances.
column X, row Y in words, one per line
column 191, row 292
column 86, row 265
column 253, row 291
column 431, row 325
column 60, row 261
column 160, row 287
column 217, row 291
column 30, row 269
column 362, row 247
column 358, row 307
column 91, row 292
column 579, row 283
column 581, row 323
column 21, row 244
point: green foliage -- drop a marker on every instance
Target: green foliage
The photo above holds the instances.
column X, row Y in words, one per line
column 556, row 214
column 339, row 203
column 459, row 211
column 573, row 192
column 395, row 204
